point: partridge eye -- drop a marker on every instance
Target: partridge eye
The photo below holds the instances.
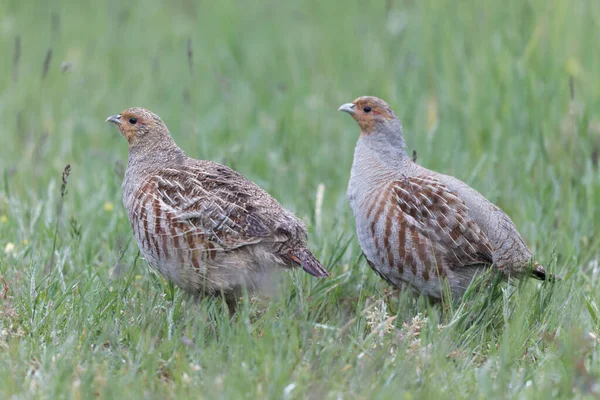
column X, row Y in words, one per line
column 367, row 109
column 133, row 121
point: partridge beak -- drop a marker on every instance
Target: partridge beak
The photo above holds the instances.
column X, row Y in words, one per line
column 348, row 107
column 115, row 119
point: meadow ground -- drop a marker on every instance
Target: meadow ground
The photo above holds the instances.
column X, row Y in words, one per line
column 483, row 91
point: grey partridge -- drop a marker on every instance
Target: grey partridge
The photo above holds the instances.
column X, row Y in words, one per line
column 202, row 225
column 420, row 228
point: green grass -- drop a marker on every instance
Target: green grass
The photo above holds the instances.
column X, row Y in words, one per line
column 483, row 91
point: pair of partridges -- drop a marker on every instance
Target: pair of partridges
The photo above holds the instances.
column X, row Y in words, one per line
column 211, row 231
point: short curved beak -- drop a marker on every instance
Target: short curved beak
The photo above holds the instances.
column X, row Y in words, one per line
column 115, row 119
column 348, row 107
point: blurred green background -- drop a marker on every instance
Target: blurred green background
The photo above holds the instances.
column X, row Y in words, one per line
column 503, row 95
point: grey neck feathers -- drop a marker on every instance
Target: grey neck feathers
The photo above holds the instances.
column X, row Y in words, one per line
column 150, row 153
column 386, row 144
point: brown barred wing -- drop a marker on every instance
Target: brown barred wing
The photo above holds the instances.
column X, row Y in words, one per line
column 421, row 227
column 440, row 219
column 195, row 211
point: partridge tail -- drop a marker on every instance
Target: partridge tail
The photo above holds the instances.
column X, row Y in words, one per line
column 539, row 272
column 308, row 262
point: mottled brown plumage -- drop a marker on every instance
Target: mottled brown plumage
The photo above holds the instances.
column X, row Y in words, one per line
column 201, row 224
column 418, row 227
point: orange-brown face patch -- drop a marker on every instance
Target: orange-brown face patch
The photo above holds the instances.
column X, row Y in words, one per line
column 368, row 110
column 128, row 128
